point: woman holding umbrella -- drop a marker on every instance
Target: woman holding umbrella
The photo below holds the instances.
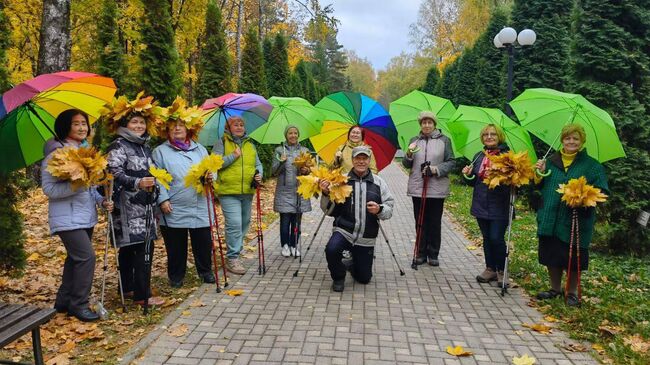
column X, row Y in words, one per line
column 129, row 159
column 490, row 206
column 287, row 202
column 343, row 156
column 72, row 215
column 430, row 158
column 184, row 211
column 554, row 217
column 238, row 178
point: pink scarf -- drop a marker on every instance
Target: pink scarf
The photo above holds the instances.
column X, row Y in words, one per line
column 486, row 163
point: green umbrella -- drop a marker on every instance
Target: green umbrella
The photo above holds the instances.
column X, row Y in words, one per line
column 543, row 112
column 466, row 124
column 296, row 111
column 406, row 109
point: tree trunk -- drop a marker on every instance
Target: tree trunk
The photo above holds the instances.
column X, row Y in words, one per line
column 260, row 32
column 55, row 42
column 238, row 39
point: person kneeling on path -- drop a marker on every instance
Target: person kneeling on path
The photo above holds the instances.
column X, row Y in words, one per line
column 356, row 222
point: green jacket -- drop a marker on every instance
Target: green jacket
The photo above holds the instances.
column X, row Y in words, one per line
column 236, row 174
column 554, row 216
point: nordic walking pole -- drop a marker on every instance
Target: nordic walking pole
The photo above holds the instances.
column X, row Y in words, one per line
column 295, row 274
column 504, row 283
column 147, row 248
column 219, row 239
column 208, row 197
column 111, row 231
column 260, row 234
column 420, row 222
column 401, row 272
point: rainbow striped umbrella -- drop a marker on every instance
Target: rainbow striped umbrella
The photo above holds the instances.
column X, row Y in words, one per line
column 28, row 111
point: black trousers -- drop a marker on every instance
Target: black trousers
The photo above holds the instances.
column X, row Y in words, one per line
column 362, row 258
column 135, row 277
column 176, row 246
column 494, row 242
column 78, row 269
column 288, row 224
column 431, row 227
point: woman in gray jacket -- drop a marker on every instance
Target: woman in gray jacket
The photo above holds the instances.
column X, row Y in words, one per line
column 72, row 215
column 287, row 202
column 430, row 158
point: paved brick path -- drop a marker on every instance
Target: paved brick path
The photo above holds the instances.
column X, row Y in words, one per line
column 407, row 320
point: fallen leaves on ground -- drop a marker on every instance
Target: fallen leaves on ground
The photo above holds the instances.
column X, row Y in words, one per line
column 637, row 343
column 538, row 327
column 524, row 360
column 179, row 330
column 575, row 347
column 197, row 303
column 234, row 292
column 458, row 351
column 610, row 330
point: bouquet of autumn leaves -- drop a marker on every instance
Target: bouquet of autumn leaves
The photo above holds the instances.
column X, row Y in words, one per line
column 310, row 184
column 195, row 176
column 83, row 166
column 304, row 159
column 510, row 168
column 576, row 193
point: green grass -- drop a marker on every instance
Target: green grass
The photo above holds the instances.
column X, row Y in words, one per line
column 615, row 289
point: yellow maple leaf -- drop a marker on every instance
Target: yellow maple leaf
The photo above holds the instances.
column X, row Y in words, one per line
column 576, row 193
column 194, row 177
column 539, row 327
column 83, row 166
column 339, row 193
column 523, row 360
column 304, row 159
column 234, row 292
column 510, row 168
column 308, row 186
column 458, row 351
column 161, row 175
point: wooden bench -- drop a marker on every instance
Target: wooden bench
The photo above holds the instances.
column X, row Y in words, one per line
column 18, row 319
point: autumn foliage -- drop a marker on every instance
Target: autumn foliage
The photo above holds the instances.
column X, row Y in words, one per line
column 83, row 167
column 510, row 168
column 578, row 194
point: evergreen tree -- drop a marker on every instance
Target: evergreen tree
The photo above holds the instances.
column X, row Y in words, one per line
column 468, row 90
column 491, row 76
column 161, row 69
column 432, row 84
column 611, row 64
column 318, row 66
column 111, row 54
column 214, row 66
column 253, row 76
column 12, row 239
column 337, row 62
column 267, row 51
column 547, row 62
column 449, row 82
column 279, row 73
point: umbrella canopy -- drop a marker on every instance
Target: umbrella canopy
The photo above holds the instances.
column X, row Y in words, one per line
column 343, row 110
column 28, row 112
column 253, row 108
column 406, row 109
column 466, row 124
column 543, row 112
column 295, row 111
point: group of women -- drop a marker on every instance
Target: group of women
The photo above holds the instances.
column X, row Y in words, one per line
column 137, row 201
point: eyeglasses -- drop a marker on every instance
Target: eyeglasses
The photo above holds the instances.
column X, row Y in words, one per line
column 489, row 135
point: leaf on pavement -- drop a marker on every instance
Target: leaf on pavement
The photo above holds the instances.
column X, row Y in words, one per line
column 178, row 331
column 197, row 303
column 458, row 351
column 523, row 360
column 234, row 292
column 539, row 327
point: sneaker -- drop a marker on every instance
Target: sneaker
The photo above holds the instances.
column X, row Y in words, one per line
column 486, row 276
column 235, row 266
column 500, row 279
column 286, row 252
column 295, row 252
column 347, row 255
column 420, row 260
column 549, row 294
column 433, row 262
column 338, row 285
column 572, row 300
column 152, row 301
column 207, row 278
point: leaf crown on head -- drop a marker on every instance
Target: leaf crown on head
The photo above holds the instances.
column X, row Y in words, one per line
column 179, row 112
column 120, row 108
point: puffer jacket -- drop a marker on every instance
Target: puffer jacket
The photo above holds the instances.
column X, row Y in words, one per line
column 352, row 219
column 129, row 162
column 286, row 198
column 189, row 209
column 438, row 151
column 488, row 203
column 67, row 209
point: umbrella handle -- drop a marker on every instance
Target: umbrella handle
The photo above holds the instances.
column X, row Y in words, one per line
column 542, row 174
column 471, row 177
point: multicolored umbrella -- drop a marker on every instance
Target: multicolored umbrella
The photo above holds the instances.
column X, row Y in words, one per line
column 295, row 111
column 466, row 124
column 28, row 111
column 544, row 112
column 253, row 108
column 406, row 109
column 343, row 110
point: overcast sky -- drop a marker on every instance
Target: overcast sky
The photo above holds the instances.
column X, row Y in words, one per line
column 375, row 29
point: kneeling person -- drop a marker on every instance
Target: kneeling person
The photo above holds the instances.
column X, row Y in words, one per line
column 356, row 222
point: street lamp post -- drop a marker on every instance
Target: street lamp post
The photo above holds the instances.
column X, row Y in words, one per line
column 509, row 39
